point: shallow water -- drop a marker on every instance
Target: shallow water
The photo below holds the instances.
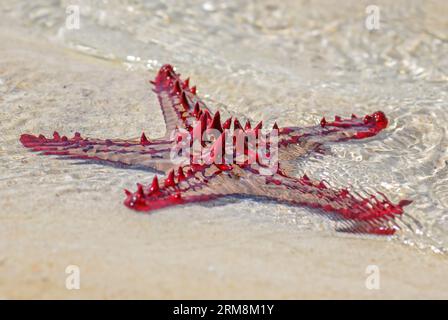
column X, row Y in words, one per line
column 291, row 62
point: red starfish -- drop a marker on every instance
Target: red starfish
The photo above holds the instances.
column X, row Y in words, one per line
column 203, row 181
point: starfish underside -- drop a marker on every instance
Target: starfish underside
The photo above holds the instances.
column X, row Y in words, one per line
column 194, row 182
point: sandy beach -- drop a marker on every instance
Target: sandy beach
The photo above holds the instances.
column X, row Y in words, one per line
column 59, row 213
column 48, row 223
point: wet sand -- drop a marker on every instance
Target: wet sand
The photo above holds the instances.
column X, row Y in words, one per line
column 59, row 213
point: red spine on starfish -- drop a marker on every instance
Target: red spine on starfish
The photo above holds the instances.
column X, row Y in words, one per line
column 196, row 182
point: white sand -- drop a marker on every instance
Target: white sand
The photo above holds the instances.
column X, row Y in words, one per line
column 54, row 213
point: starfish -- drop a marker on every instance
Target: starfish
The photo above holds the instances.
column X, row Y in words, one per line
column 187, row 116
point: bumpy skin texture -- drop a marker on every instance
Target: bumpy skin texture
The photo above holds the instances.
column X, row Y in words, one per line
column 191, row 182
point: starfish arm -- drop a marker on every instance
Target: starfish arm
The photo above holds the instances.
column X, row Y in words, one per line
column 296, row 142
column 187, row 184
column 208, row 182
column 143, row 153
column 180, row 105
column 369, row 214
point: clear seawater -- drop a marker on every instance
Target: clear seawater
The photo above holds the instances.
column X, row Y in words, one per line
column 293, row 62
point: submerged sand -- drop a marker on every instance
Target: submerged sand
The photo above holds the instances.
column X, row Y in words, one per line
column 59, row 213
